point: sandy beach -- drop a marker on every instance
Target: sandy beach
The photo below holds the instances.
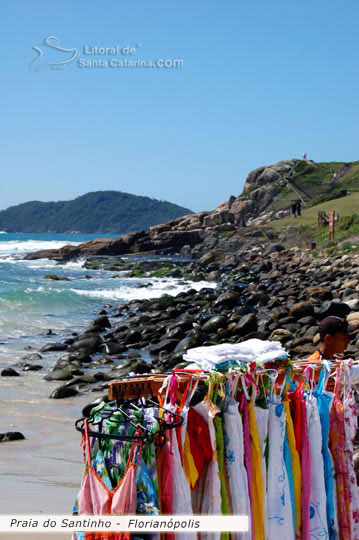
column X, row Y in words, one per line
column 42, row 474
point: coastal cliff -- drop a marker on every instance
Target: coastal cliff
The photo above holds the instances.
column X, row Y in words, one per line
column 267, row 196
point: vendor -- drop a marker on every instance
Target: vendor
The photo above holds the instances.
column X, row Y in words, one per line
column 335, row 335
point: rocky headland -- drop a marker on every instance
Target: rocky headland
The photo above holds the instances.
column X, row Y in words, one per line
column 267, row 195
column 264, row 291
column 261, row 287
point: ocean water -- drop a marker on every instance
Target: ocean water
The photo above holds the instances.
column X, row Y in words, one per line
column 42, row 473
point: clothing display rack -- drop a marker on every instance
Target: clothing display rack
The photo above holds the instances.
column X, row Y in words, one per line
column 273, row 443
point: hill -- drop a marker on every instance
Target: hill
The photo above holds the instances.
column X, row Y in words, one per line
column 96, row 212
column 269, row 190
column 267, row 196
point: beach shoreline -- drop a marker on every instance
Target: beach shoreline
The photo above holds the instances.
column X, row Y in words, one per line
column 279, row 296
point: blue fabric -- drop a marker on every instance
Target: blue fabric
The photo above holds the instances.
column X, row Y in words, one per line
column 288, row 466
column 147, row 500
column 324, row 403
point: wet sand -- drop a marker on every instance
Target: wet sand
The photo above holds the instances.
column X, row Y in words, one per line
column 42, row 474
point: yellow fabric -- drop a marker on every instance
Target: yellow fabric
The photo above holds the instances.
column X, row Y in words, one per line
column 189, row 464
column 257, row 480
column 297, row 473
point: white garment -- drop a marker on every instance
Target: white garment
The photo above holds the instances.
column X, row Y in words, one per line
column 279, row 504
column 210, row 487
column 318, row 499
column 262, row 427
column 182, row 503
column 234, row 459
column 248, row 351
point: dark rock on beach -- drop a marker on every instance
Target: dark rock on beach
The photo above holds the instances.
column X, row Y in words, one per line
column 9, row 372
column 63, row 392
column 261, row 289
column 11, row 436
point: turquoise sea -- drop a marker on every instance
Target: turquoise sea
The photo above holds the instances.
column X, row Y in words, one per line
column 42, row 473
column 31, row 304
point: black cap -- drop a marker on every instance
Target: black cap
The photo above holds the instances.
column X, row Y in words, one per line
column 335, row 325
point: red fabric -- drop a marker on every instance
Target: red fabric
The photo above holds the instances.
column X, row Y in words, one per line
column 302, row 445
column 166, row 490
column 199, row 440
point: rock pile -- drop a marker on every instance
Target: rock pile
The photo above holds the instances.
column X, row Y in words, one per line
column 265, row 292
column 261, row 187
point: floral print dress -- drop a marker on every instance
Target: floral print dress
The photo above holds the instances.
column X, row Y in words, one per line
column 351, row 425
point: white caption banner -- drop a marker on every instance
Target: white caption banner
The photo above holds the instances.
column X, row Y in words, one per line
column 54, row 523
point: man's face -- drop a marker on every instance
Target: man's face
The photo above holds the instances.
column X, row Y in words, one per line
column 337, row 342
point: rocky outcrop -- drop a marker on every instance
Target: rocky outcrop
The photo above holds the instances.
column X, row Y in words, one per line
column 160, row 239
column 259, row 203
column 262, row 292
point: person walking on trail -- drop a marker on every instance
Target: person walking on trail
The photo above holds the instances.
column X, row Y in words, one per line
column 294, row 209
column 305, row 156
column 299, row 208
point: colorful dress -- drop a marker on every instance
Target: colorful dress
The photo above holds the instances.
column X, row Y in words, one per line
column 351, row 426
column 325, row 400
column 337, row 447
column 208, row 496
column 236, row 472
column 257, row 479
column 262, row 426
column 302, row 445
column 279, row 505
column 296, row 470
column 318, row 499
column 247, row 455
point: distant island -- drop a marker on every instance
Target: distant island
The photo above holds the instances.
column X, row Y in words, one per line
column 96, row 212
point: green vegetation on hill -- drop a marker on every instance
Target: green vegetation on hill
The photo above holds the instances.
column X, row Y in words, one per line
column 344, row 206
column 315, row 183
column 96, row 212
column 305, row 229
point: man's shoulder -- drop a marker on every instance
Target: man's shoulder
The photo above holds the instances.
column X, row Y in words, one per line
column 314, row 358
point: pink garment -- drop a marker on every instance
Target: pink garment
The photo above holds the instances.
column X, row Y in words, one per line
column 302, row 441
column 351, row 426
column 96, row 499
column 207, row 494
column 247, row 452
column 337, row 448
column 306, row 476
column 166, row 484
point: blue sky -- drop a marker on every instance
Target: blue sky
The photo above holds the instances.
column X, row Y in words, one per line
column 261, row 81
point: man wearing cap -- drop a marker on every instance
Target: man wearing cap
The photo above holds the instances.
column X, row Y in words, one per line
column 335, row 334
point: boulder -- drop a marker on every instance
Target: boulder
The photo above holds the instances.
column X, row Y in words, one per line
column 32, row 367
column 186, row 343
column 54, row 347
column 281, row 334
column 212, row 325
column 55, row 277
column 333, row 307
column 353, row 304
column 63, row 392
column 247, row 324
column 167, row 345
column 301, row 309
column 59, row 375
column 321, row 293
column 228, row 299
column 11, row 436
column 9, row 372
